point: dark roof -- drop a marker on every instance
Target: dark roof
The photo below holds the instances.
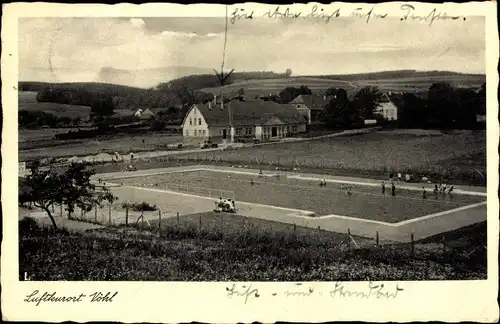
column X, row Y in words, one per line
column 313, row 102
column 254, row 112
column 123, row 113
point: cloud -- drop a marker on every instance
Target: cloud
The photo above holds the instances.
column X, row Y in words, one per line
column 137, row 22
column 342, row 46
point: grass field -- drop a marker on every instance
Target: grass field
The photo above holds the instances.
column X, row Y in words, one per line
column 256, row 87
column 419, row 84
column 31, row 148
column 27, row 101
column 260, row 251
column 365, row 202
column 406, row 84
column 458, row 155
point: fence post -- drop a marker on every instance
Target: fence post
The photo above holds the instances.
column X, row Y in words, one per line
column 319, row 228
column 61, row 209
column 159, row 221
column 412, row 246
column 349, row 239
column 199, row 225
column 109, row 214
column 294, row 227
column 142, row 220
column 377, row 239
column 178, row 219
column 126, row 216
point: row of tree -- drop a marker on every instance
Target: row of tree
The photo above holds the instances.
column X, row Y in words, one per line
column 444, row 107
column 34, row 119
column 70, row 187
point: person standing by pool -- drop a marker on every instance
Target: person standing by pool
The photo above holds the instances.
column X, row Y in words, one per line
column 424, row 193
column 391, row 176
column 399, row 176
column 393, row 189
column 383, row 188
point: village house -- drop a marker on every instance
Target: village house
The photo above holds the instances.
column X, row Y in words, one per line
column 144, row 114
column 244, row 120
column 310, row 106
column 387, row 109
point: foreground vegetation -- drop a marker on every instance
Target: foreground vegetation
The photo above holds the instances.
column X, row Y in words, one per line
column 241, row 253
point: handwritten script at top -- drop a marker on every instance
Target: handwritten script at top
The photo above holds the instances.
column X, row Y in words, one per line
column 372, row 291
column 320, row 14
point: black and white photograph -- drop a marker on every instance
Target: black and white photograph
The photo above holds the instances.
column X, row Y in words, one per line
column 311, row 143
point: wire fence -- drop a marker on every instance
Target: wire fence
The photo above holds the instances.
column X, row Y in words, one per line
column 286, row 160
column 472, row 245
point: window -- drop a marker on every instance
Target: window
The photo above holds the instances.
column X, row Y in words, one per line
column 203, row 132
column 187, row 132
column 295, row 129
column 199, row 121
column 190, row 122
column 248, row 131
column 238, row 131
column 195, row 132
column 288, row 129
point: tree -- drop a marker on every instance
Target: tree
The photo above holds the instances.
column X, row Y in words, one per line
column 466, row 108
column 332, row 92
column 481, row 100
column 289, row 93
column 102, row 106
column 304, row 90
column 71, row 187
column 367, row 101
column 414, row 112
column 340, row 112
column 442, row 104
column 288, row 73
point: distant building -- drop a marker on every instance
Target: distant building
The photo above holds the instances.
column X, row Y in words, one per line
column 253, row 119
column 310, row 106
column 144, row 114
column 387, row 108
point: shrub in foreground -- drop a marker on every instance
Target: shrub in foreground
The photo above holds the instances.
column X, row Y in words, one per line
column 185, row 254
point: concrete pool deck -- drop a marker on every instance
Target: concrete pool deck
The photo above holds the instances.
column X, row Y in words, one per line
column 420, row 227
column 464, row 190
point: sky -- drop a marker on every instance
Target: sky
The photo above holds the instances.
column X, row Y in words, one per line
column 76, row 49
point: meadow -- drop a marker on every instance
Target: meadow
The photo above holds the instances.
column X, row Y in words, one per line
column 319, row 84
column 364, row 202
column 27, row 101
column 258, row 251
column 32, row 147
column 266, row 86
column 458, row 156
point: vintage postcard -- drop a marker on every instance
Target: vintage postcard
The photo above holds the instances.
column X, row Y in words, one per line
column 250, row 162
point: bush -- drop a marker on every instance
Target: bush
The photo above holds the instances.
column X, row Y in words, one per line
column 143, row 206
column 28, row 226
